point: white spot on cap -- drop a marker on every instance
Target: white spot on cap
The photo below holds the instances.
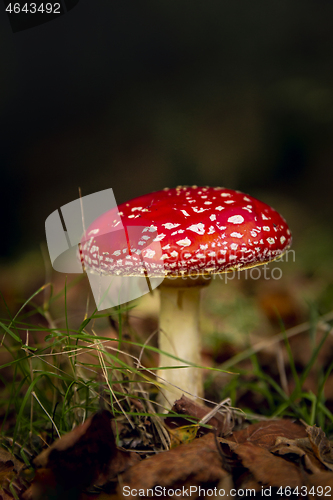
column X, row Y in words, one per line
column 229, row 201
column 166, row 247
column 136, row 208
column 282, row 239
column 208, row 202
column 186, row 242
column 246, row 198
column 236, row 219
column 117, row 252
column 187, row 255
column 212, row 217
column 266, row 228
column 148, row 253
column 225, row 194
column 159, row 237
column 270, row 240
column 174, row 254
column 93, row 231
column 220, row 208
column 169, row 225
column 185, row 213
column 264, row 217
column 197, row 228
column 233, row 246
column 211, row 230
column 236, row 235
column 199, row 210
column 203, row 247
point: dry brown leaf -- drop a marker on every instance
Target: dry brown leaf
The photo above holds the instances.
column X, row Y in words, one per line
column 322, row 482
column 86, row 455
column 266, row 468
column 285, row 446
column 10, row 468
column 321, row 446
column 295, row 450
column 185, row 406
column 193, row 464
column 264, row 434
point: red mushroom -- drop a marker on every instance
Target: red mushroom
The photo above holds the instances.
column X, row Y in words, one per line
column 187, row 235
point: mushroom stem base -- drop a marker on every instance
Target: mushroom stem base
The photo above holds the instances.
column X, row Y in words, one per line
column 180, row 336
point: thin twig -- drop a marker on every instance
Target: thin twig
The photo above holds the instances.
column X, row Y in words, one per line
column 51, row 419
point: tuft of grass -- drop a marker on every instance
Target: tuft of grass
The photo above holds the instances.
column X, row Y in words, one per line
column 55, row 386
column 57, row 376
column 279, row 400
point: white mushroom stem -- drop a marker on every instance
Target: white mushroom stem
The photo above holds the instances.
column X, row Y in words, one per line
column 180, row 336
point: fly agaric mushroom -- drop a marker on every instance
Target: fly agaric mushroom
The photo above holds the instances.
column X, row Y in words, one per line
column 201, row 231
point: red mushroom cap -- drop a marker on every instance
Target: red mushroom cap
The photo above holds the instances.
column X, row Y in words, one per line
column 185, row 231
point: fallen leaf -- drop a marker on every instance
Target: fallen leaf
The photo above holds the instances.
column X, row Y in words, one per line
column 182, row 435
column 322, row 482
column 321, row 446
column 10, row 468
column 295, row 450
column 193, row 464
column 185, row 406
column 264, row 434
column 86, row 455
column 266, row 468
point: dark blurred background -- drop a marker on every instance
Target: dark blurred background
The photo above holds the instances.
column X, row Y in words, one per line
column 141, row 95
